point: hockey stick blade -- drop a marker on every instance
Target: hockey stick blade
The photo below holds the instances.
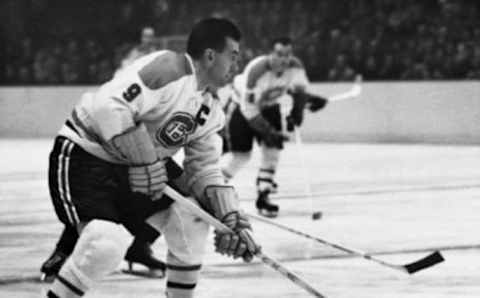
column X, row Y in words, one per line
column 353, row 93
column 428, row 261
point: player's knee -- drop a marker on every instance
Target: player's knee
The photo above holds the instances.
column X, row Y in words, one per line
column 239, row 159
column 189, row 245
column 270, row 157
column 242, row 157
column 235, row 163
column 196, row 235
column 100, row 248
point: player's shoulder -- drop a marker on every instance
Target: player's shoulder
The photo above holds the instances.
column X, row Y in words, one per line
column 295, row 62
column 164, row 67
column 256, row 69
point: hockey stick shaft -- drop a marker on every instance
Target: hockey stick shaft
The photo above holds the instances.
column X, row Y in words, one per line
column 221, row 227
column 411, row 268
column 300, row 150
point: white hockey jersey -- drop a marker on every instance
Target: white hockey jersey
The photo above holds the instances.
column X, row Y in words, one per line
column 260, row 86
column 161, row 91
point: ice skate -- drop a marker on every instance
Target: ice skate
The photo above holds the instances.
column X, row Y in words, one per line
column 140, row 253
column 264, row 206
column 52, row 265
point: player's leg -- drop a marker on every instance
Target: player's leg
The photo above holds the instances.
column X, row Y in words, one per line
column 84, row 191
column 268, row 166
column 269, row 161
column 63, row 249
column 135, row 208
column 99, row 250
column 239, row 139
column 186, row 237
column 140, row 252
column 265, row 181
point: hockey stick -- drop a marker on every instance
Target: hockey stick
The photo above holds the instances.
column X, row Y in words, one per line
column 299, row 144
column 220, row 226
column 410, row 268
column 353, row 93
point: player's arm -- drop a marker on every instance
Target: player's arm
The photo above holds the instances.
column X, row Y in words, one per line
column 117, row 108
column 251, row 108
column 205, row 180
column 301, row 98
column 301, row 83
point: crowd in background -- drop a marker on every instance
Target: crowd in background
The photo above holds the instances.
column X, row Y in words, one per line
column 83, row 42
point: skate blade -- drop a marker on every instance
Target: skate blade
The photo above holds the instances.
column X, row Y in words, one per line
column 145, row 273
column 269, row 214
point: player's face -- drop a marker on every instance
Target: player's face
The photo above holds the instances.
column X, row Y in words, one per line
column 280, row 57
column 148, row 37
column 224, row 65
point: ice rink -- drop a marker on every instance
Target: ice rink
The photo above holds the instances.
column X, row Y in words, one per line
column 399, row 202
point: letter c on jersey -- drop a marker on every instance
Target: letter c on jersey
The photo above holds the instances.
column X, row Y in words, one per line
column 174, row 133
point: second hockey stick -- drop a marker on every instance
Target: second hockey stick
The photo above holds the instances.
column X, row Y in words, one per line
column 353, row 93
column 425, row 262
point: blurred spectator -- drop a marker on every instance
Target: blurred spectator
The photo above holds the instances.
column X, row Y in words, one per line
column 147, row 45
column 340, row 70
column 390, row 68
column 73, row 43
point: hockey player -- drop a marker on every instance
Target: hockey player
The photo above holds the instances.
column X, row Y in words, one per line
column 140, row 251
column 258, row 115
column 108, row 166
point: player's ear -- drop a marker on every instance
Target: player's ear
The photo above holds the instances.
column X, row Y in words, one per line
column 209, row 55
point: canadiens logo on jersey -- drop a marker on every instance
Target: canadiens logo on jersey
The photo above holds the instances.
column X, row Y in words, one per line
column 271, row 94
column 175, row 132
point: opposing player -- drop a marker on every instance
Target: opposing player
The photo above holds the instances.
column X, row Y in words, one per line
column 258, row 115
column 140, row 251
column 108, row 166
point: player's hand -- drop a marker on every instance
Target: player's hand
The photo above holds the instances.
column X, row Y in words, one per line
column 239, row 244
column 148, row 179
column 275, row 139
column 290, row 123
column 270, row 136
column 222, row 202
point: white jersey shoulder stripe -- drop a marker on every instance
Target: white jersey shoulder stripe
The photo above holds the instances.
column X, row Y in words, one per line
column 255, row 69
column 173, row 66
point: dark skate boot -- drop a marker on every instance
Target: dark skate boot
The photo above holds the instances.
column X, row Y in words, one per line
column 52, row 265
column 264, row 206
column 141, row 253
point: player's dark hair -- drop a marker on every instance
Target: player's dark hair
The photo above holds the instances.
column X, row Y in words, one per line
column 211, row 33
column 284, row 40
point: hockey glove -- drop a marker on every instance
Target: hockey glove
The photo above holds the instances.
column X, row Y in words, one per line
column 269, row 135
column 149, row 179
column 223, row 201
column 295, row 118
column 316, row 103
column 146, row 173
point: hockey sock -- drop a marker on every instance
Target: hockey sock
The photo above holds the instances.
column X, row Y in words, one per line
column 181, row 278
column 266, row 174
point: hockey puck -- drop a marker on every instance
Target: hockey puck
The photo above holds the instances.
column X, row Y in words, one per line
column 316, row 215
